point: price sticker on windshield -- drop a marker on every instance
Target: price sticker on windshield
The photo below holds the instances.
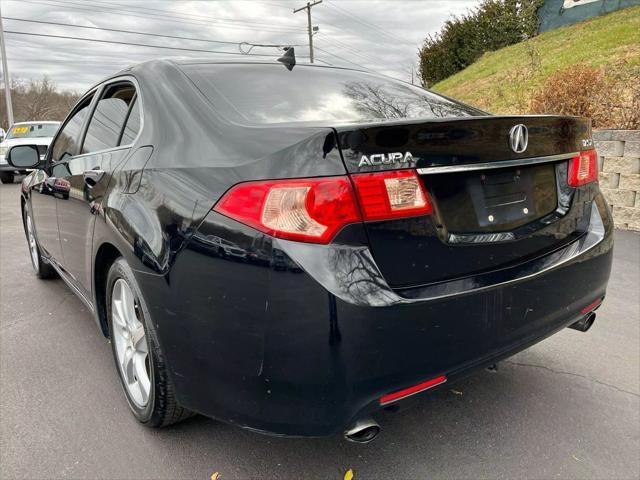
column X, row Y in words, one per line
column 19, row 130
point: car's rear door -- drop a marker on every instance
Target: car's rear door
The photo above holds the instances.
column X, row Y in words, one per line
column 105, row 144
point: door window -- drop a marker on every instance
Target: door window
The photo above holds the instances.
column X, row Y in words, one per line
column 66, row 144
column 109, row 117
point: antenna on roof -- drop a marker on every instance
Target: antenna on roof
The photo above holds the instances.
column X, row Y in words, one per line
column 289, row 58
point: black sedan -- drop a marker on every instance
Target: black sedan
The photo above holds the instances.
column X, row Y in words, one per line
column 293, row 249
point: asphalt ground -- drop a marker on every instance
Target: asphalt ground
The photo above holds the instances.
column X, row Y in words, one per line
column 568, row 407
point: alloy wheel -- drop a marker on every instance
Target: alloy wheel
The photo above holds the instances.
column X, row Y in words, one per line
column 132, row 350
column 33, row 246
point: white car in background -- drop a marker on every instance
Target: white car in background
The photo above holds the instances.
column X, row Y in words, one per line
column 32, row 133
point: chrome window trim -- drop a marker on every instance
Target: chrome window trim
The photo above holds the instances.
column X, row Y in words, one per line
column 498, row 164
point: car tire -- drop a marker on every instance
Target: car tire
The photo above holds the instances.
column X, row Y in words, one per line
column 139, row 360
column 40, row 265
column 6, row 177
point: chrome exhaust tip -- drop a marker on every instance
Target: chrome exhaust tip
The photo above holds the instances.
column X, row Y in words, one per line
column 584, row 323
column 363, row 431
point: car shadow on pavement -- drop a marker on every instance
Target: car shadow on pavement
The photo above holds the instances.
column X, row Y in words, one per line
column 521, row 421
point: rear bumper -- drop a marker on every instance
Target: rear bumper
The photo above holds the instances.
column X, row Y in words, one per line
column 306, row 352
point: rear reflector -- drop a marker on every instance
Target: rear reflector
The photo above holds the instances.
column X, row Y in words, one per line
column 308, row 210
column 583, row 168
column 591, row 306
column 407, row 392
column 389, row 195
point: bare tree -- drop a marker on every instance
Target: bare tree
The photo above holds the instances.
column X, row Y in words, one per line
column 37, row 100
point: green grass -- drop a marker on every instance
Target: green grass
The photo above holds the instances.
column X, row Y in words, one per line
column 503, row 81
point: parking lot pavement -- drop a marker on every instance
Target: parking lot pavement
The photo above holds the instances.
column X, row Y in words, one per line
column 566, row 408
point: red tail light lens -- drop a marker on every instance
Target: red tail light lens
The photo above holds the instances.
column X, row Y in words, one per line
column 583, row 168
column 308, row 210
column 315, row 209
column 387, row 195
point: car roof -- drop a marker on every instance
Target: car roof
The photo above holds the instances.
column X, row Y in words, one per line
column 231, row 59
column 177, row 62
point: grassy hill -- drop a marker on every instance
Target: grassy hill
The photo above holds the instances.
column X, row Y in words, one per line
column 504, row 81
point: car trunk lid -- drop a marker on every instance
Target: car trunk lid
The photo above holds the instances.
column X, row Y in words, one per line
column 494, row 207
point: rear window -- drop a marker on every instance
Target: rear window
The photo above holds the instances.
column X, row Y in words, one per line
column 272, row 94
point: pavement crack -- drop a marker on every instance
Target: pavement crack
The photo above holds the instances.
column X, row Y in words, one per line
column 560, row 372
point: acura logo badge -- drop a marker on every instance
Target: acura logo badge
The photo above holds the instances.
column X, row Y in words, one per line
column 519, row 138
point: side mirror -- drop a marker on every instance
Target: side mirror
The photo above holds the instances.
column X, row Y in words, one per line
column 24, row 156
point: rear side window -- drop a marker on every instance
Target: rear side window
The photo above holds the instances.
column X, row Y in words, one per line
column 272, row 94
column 66, row 143
column 109, row 118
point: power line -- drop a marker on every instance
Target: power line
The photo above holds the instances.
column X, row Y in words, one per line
column 138, row 33
column 69, row 6
column 362, row 67
column 279, row 5
column 172, row 16
column 193, row 15
column 343, row 47
column 367, row 24
column 343, row 59
column 114, row 42
column 337, row 44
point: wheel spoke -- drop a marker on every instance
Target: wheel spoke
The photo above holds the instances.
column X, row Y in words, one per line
column 128, row 367
column 143, row 377
column 138, row 339
column 118, row 314
column 128, row 306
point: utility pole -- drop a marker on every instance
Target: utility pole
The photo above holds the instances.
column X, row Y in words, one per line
column 5, row 74
column 310, row 28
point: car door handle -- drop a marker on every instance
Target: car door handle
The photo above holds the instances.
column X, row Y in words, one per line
column 91, row 177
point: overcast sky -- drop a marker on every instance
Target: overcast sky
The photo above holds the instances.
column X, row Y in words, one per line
column 378, row 35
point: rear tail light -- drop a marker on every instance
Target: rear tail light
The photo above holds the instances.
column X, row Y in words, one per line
column 407, row 392
column 583, row 168
column 308, row 210
column 388, row 195
column 315, row 209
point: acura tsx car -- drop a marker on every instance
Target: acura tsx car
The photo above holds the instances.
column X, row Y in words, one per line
column 421, row 239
